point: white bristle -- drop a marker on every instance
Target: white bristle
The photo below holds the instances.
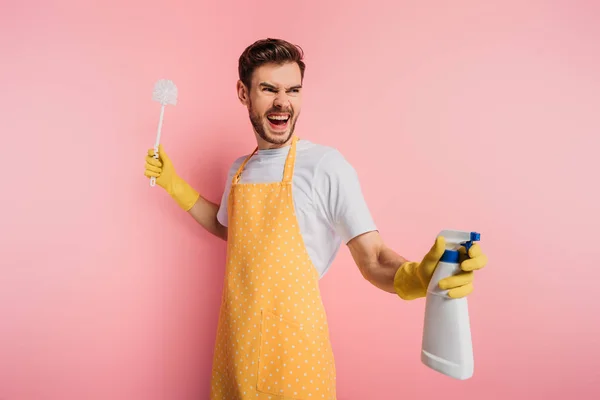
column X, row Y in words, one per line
column 165, row 92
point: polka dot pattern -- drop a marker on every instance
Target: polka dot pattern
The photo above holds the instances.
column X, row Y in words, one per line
column 272, row 336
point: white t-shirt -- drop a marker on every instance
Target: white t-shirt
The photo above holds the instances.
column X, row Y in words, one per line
column 328, row 199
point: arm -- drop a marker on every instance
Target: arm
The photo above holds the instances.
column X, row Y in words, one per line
column 205, row 213
column 202, row 210
column 338, row 195
column 391, row 272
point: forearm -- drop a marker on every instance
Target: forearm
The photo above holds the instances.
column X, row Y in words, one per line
column 382, row 271
column 384, row 268
column 391, row 272
column 205, row 213
column 377, row 262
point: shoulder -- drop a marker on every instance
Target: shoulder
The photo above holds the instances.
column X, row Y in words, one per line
column 325, row 159
column 236, row 164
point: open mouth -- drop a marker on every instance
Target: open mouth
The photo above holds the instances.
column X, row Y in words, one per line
column 278, row 121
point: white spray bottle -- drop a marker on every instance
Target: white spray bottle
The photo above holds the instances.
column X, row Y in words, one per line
column 446, row 345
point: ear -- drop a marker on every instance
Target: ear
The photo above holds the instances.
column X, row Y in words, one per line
column 243, row 93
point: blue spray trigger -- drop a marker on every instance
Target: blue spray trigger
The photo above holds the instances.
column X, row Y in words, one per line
column 456, row 239
column 475, row 237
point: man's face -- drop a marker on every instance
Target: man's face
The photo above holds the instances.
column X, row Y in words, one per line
column 274, row 102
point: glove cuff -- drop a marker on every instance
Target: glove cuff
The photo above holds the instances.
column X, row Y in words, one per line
column 407, row 282
column 185, row 195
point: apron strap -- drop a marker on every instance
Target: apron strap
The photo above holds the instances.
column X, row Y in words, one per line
column 236, row 177
column 288, row 169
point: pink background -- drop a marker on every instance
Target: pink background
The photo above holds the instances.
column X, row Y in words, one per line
column 480, row 115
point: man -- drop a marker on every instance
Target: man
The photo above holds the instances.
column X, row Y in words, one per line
column 285, row 211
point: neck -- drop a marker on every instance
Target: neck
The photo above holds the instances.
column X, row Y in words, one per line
column 264, row 145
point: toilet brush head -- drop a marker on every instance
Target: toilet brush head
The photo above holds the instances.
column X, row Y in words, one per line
column 165, row 92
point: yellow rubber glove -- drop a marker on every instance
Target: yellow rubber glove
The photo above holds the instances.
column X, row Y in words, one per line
column 166, row 177
column 412, row 278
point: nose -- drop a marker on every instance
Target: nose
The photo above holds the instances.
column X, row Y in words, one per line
column 282, row 101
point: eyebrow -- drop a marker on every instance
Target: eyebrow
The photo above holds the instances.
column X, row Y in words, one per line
column 268, row 85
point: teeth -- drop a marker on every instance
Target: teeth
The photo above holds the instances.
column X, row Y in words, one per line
column 279, row 117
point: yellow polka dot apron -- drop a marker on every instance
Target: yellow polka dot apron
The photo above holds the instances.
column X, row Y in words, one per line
column 272, row 335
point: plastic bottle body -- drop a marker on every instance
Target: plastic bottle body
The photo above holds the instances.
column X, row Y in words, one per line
column 447, row 346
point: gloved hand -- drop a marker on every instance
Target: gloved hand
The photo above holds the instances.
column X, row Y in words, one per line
column 412, row 278
column 166, row 177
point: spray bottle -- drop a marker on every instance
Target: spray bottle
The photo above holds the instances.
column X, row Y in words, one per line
column 446, row 345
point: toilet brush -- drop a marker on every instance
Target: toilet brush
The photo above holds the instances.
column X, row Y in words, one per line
column 165, row 92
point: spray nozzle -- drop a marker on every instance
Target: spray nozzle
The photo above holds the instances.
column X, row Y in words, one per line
column 456, row 239
column 474, row 238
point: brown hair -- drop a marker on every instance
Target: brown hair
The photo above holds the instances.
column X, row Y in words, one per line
column 266, row 51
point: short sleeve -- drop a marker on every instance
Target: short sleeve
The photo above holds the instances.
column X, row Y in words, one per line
column 222, row 216
column 338, row 194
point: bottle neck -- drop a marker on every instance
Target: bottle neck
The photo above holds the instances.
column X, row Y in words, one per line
column 450, row 256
